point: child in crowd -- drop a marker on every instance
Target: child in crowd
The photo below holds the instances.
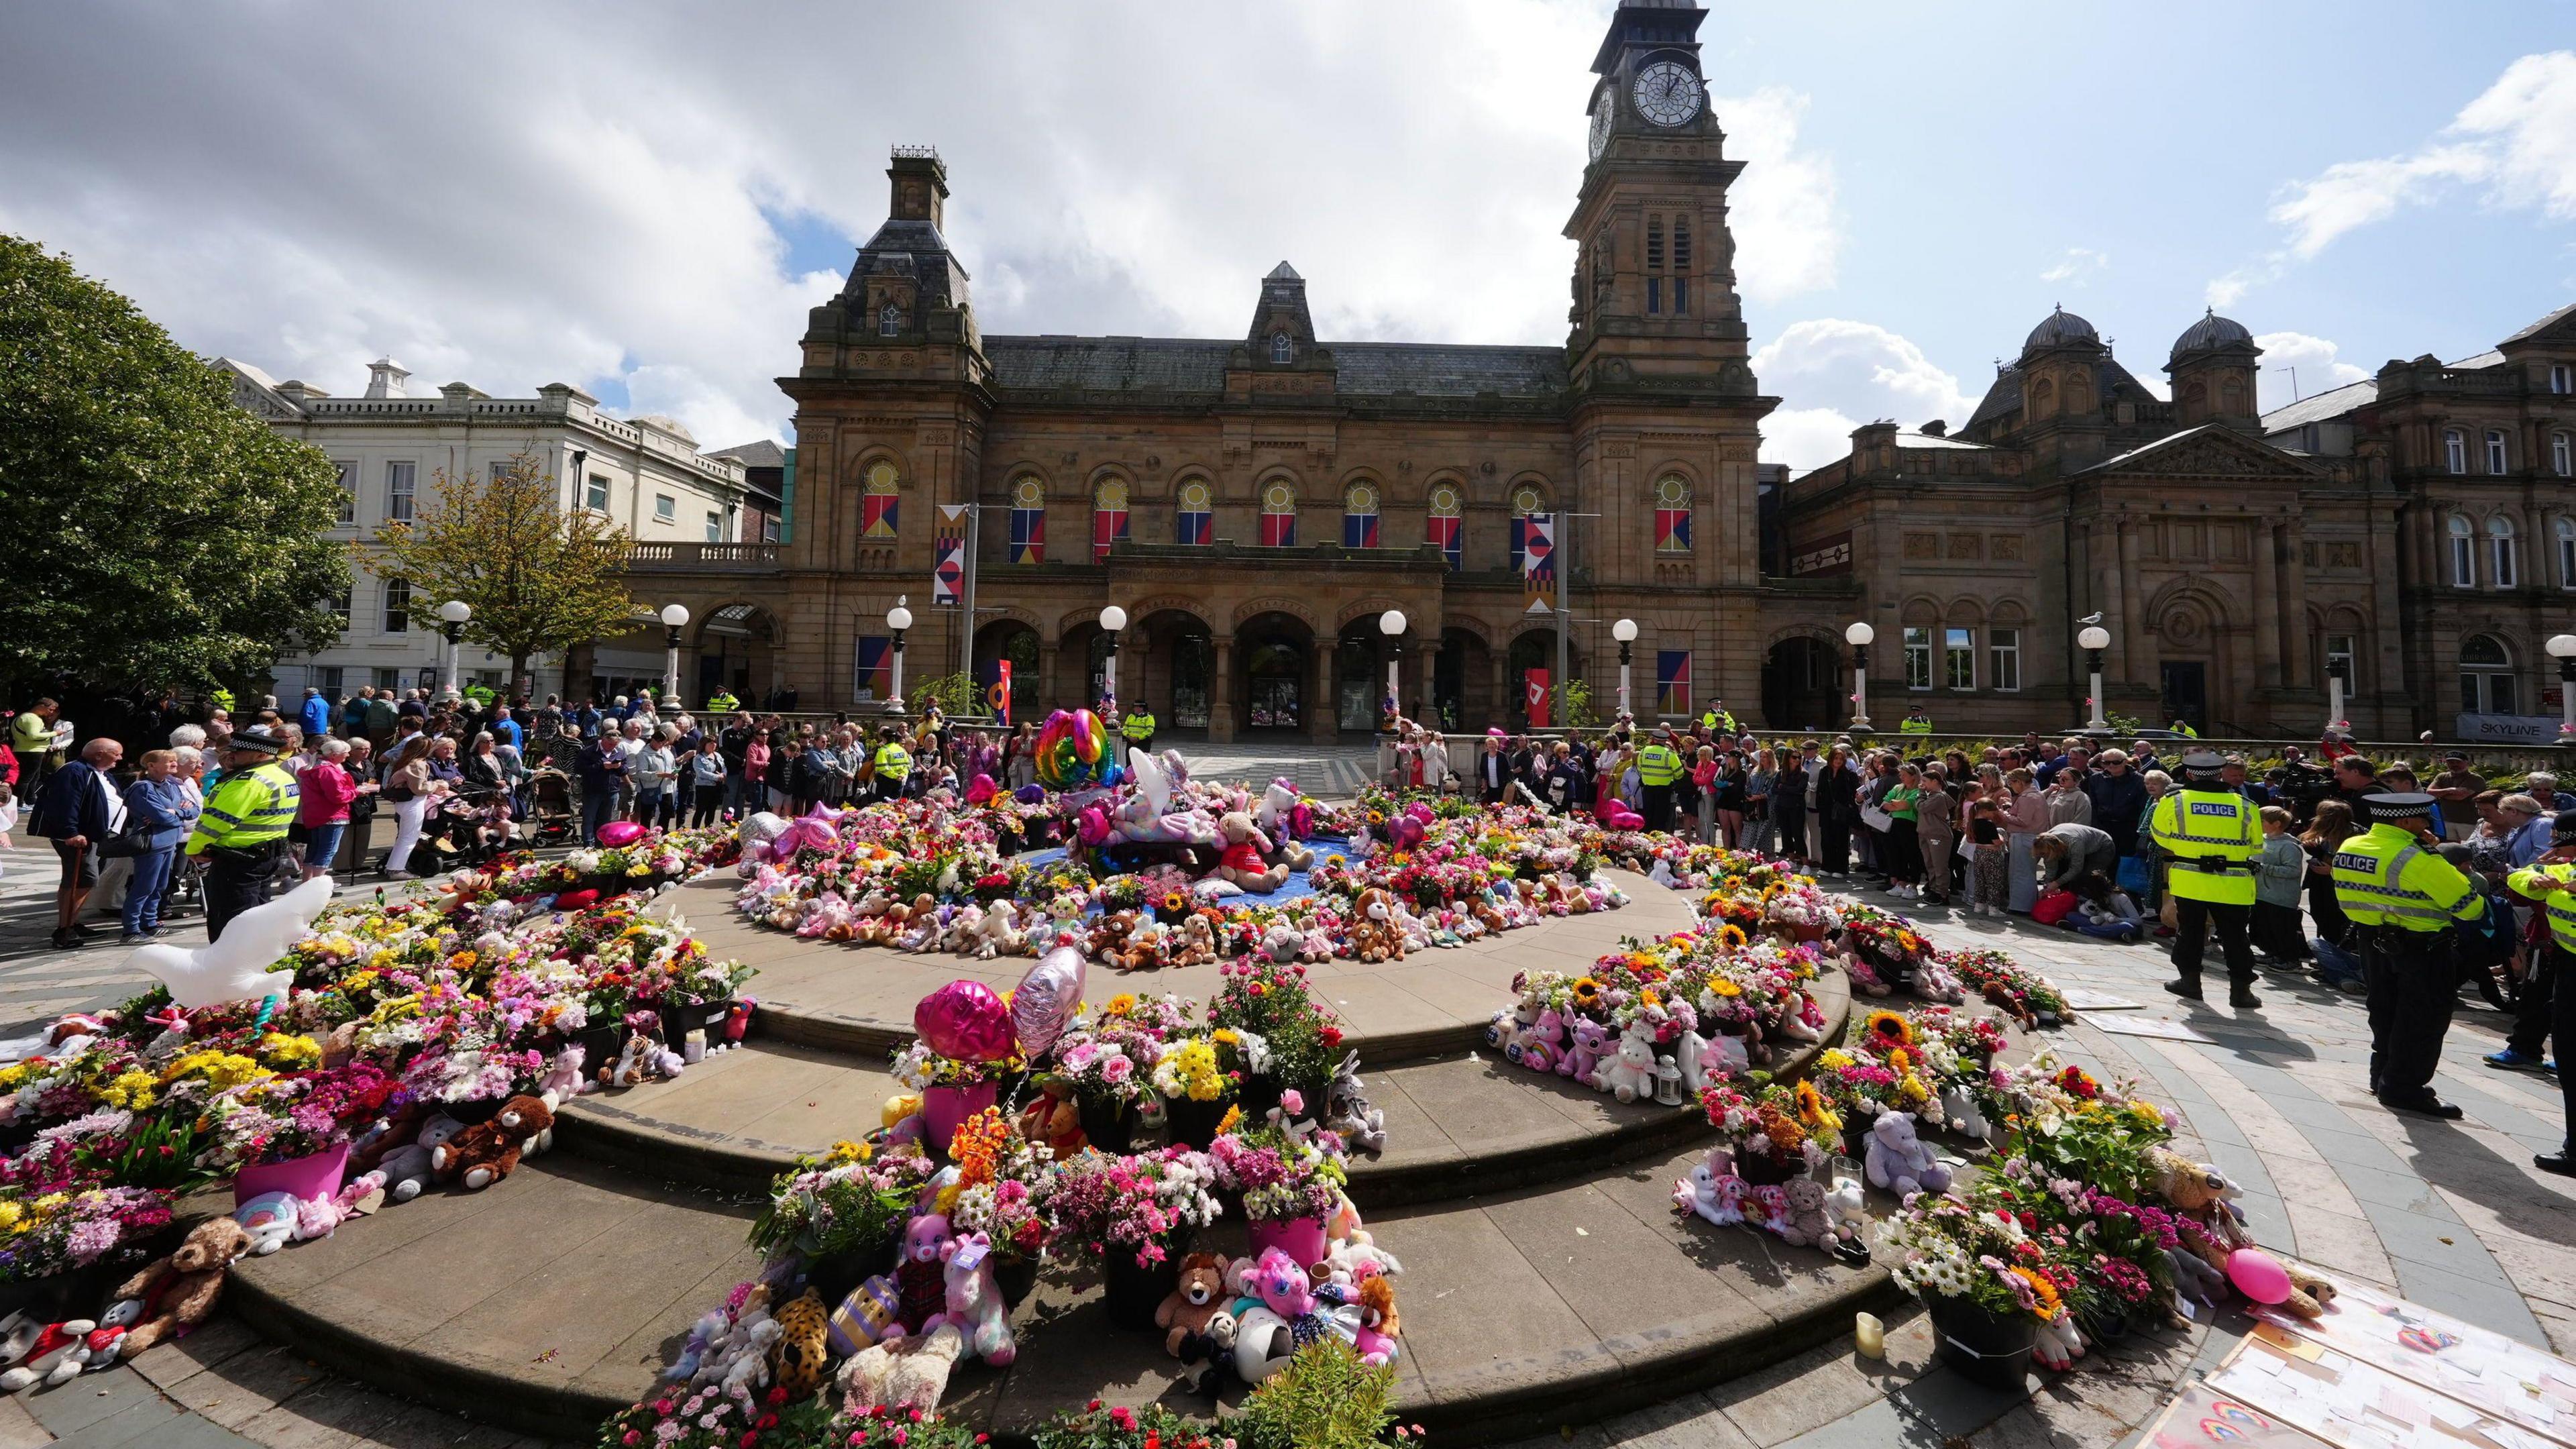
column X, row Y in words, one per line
column 1991, row 878
column 2107, row 913
column 2279, row 872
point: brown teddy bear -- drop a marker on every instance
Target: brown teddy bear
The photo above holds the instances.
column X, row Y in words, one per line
column 171, row 1295
column 1198, row 942
column 1375, row 936
column 1051, row 1118
column 1109, row 938
column 484, row 1153
column 1246, row 848
column 1198, row 1298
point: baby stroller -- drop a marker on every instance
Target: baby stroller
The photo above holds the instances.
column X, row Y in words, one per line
column 551, row 818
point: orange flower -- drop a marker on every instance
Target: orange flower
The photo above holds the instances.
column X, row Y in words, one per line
column 2041, row 1290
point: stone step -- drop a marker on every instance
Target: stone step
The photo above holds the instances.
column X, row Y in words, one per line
column 551, row 1300
column 859, row 999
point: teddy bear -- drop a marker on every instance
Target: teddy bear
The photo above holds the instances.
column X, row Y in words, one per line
column 1541, row 1047
column 1109, row 938
column 1275, row 1302
column 1712, row 1190
column 1898, row 1162
column 1052, row 1119
column 1630, row 1074
column 407, row 1168
column 965, row 930
column 1243, row 864
column 1591, row 1044
column 1691, row 1055
column 1347, row 1113
column 51, row 1354
column 736, row 1361
column 1195, row 1303
column 1198, row 942
column 902, row 1373
column 1378, row 1323
column 1374, row 935
column 484, row 1153
column 2057, row 1345
column 1001, row 935
column 1848, row 1212
column 172, row 1294
column 1503, row 1032
column 798, row 1360
column 1804, row 1223
column 1960, row 1111
column 974, row 1299
column 920, row 1273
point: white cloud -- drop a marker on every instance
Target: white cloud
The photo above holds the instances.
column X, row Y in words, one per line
column 554, row 199
column 1844, row 373
column 2515, row 144
column 2314, row 357
column 2079, row 264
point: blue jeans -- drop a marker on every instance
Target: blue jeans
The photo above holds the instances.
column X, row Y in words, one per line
column 324, row 847
column 143, row 892
column 598, row 807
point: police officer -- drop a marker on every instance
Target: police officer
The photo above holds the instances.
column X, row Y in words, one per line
column 2551, row 882
column 2213, row 835
column 893, row 764
column 241, row 834
column 1138, row 728
column 1659, row 767
column 1917, row 723
column 2402, row 898
column 722, row 701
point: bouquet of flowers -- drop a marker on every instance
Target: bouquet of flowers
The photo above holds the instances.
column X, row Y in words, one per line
column 1141, row 1204
column 56, row 1214
column 1000, row 1175
column 848, row 1200
column 1269, row 1000
column 2006, row 983
column 1188, row 1071
column 917, row 1066
column 1938, row 1247
column 1281, row 1177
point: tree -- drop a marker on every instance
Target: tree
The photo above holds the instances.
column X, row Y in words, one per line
column 539, row 576
column 160, row 536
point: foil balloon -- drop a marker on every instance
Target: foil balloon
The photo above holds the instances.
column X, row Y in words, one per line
column 1404, row 832
column 1092, row 825
column 617, row 834
column 980, row 791
column 1072, row 750
column 1419, row 811
column 1030, row 794
column 964, row 1021
column 580, row 900
column 1047, row 998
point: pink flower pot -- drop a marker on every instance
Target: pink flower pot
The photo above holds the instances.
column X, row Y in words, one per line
column 944, row 1108
column 1299, row 1238
column 305, row 1177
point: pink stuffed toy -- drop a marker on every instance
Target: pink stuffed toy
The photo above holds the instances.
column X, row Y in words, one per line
column 1591, row 1044
column 921, row 1275
column 1542, row 1047
column 973, row 1302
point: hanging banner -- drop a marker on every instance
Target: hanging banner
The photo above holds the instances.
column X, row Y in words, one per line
column 1538, row 554
column 1672, row 681
column 1535, row 692
column 948, row 571
column 997, row 692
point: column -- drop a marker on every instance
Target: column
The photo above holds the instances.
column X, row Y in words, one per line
column 2267, row 607
column 1323, row 709
column 2132, row 628
column 2298, row 672
column 1498, row 707
column 1221, row 691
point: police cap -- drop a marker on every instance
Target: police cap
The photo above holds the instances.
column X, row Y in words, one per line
column 2397, row 805
column 2203, row 762
column 256, row 741
column 2562, row 830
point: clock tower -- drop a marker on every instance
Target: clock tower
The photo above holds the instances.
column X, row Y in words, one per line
column 1654, row 284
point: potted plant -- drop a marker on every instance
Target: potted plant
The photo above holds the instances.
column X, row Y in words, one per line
column 1270, row 1000
column 952, row 1089
column 1984, row 1283
column 1118, row 1426
column 1289, row 1185
column 1195, row 1091
column 290, row 1133
column 1110, row 1058
column 1001, row 1176
column 841, row 1210
column 1138, row 1214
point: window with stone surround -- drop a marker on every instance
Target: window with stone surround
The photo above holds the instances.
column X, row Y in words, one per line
column 1918, row 658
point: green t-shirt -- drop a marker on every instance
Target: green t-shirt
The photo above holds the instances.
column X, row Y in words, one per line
column 30, row 735
column 1900, row 803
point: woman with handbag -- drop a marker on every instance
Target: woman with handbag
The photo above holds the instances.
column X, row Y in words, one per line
column 157, row 820
column 407, row 789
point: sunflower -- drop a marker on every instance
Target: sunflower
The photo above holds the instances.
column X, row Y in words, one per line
column 1889, row 1030
column 1119, row 1005
column 2042, row 1291
column 1174, row 900
column 1731, row 937
column 1721, row 986
column 1813, row 1111
column 1587, row 992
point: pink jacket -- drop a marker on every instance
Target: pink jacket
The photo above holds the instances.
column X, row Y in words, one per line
column 324, row 793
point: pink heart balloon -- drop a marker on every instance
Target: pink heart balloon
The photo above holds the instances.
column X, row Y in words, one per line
column 1047, row 998
column 2258, row 1275
column 980, row 791
column 617, row 834
column 965, row 1021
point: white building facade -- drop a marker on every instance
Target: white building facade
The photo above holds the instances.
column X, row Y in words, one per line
column 391, row 447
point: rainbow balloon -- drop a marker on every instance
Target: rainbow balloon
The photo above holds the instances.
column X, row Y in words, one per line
column 1072, row 749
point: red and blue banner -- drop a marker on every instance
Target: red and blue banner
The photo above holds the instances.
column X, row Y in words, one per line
column 997, row 690
column 1672, row 681
column 1446, row 533
column 1538, row 554
column 1359, row 530
column 1535, row 696
column 1278, row 530
column 1108, row 525
column 876, row 517
column 1028, row 535
column 875, row 667
column 1197, row 528
column 948, row 567
column 1672, row 530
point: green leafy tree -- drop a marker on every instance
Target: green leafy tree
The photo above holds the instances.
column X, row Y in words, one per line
column 539, row 576
column 160, row 537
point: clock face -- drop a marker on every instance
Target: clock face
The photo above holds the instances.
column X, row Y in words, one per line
column 1605, row 108
column 1667, row 93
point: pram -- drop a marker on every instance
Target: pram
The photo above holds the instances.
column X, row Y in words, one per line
column 551, row 816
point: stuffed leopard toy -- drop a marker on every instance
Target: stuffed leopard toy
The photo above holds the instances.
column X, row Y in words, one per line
column 801, row 1360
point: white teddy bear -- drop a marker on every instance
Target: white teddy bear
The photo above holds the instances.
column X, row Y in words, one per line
column 1629, row 1073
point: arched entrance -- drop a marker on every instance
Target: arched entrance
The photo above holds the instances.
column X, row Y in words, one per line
column 1536, row 649
column 1172, row 657
column 1275, row 649
column 1800, row 678
column 737, row 645
column 1359, row 675
column 1015, row 642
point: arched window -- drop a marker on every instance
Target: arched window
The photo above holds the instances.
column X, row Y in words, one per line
column 1359, row 516
column 1672, row 514
column 1279, row 515
column 889, row 320
column 2079, row 395
column 1108, row 516
column 877, row 503
column 2043, row 399
column 1526, row 500
column 1028, row 521
column 2231, row 397
column 1196, row 510
column 2501, row 552
column 1282, row 348
column 397, row 616
column 2566, row 531
column 2464, row 554
column 2455, row 450
column 2487, row 685
column 1440, row 526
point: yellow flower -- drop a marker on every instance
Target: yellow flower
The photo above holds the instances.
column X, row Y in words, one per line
column 1233, row 1118
column 1225, row 1034
column 1834, row 1057
column 290, row 1052
column 1120, row 1005
column 9, row 1216
column 1723, row 987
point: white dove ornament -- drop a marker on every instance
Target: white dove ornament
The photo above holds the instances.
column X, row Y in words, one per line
column 235, row 967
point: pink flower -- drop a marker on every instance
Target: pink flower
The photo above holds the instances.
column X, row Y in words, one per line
column 1292, row 1101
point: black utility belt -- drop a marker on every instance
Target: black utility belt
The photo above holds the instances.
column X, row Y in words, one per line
column 261, row 854
column 2213, row 867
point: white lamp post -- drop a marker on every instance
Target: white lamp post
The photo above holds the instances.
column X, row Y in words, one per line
column 453, row 615
column 898, row 619
column 1391, row 624
column 674, row 618
column 1112, row 619
column 1859, row 635
column 2562, row 647
column 2093, row 640
column 1625, row 631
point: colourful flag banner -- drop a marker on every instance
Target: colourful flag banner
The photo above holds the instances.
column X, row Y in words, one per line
column 876, row 517
column 1672, row 530
column 997, row 691
column 1197, row 528
column 1028, row 535
column 1672, row 681
column 875, row 666
column 948, row 569
column 1108, row 525
column 1359, row 530
column 1278, row 530
column 1446, row 533
column 1535, row 692
column 1538, row 553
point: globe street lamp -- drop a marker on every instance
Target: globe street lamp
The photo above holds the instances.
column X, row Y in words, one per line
column 1625, row 631
column 1391, row 624
column 898, row 619
column 674, row 617
column 454, row 613
column 1112, row 619
column 2093, row 640
column 2562, row 647
column 1859, row 635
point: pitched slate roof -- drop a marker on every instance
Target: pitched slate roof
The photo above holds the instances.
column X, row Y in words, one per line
column 762, row 454
column 2543, row 324
column 1195, row 365
column 2317, row 407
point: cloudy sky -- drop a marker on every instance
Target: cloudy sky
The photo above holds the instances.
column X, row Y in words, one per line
column 644, row 198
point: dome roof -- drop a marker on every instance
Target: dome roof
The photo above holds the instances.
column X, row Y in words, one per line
column 2060, row 326
column 2209, row 332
